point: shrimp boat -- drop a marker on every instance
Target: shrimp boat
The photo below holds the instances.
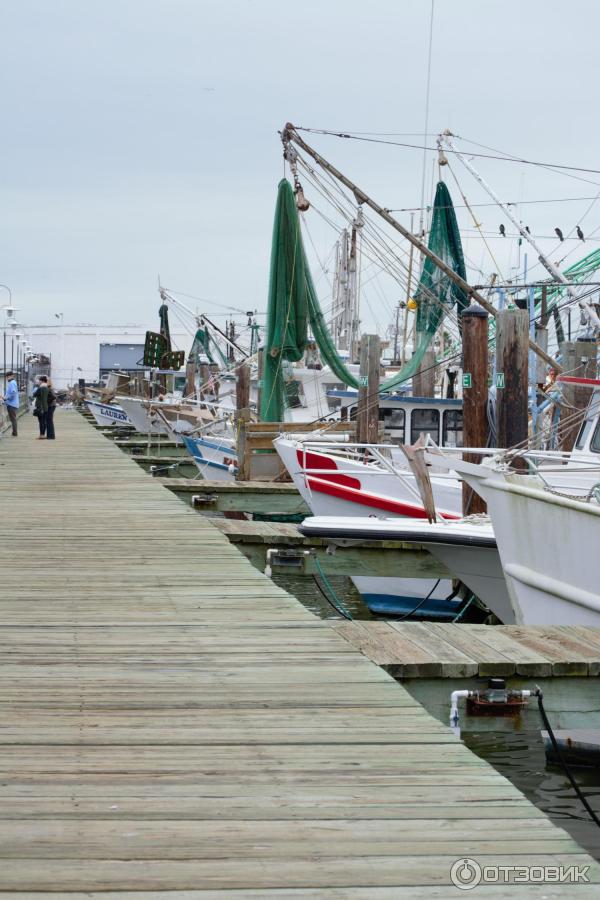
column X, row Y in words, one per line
column 215, row 456
column 467, row 546
column 342, row 481
column 108, row 414
column 348, row 479
column 547, row 536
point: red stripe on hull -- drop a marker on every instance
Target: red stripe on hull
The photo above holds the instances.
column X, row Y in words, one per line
column 375, row 501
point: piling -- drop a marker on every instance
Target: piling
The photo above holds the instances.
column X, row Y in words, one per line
column 367, row 418
column 512, row 351
column 242, row 387
column 260, row 358
column 204, row 379
column 190, row 380
column 475, row 395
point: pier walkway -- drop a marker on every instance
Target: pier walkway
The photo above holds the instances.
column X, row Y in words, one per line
column 173, row 725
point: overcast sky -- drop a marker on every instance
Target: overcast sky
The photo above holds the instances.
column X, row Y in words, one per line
column 140, row 137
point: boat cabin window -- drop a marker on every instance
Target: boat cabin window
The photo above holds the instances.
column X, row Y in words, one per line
column 424, row 422
column 584, row 433
column 294, row 394
column 452, row 431
column 595, row 442
column 394, row 425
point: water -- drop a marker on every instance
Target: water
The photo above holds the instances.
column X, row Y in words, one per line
column 306, row 590
column 520, row 757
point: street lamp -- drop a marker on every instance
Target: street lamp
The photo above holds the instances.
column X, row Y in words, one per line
column 9, row 312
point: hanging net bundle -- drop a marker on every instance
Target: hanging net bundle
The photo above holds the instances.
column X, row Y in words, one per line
column 436, row 293
column 293, row 302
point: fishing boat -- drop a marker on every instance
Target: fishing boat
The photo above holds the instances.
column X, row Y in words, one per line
column 467, row 547
column 345, row 480
column 547, row 539
column 350, row 479
column 215, row 456
column 108, row 413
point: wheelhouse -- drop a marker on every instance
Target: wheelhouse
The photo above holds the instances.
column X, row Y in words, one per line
column 406, row 418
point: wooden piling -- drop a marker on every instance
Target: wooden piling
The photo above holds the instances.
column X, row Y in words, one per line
column 190, row 380
column 423, row 382
column 260, row 357
column 367, row 417
column 512, row 349
column 204, row 378
column 242, row 387
column 579, row 360
column 475, row 395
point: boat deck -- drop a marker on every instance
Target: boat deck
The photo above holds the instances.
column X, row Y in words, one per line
column 174, row 726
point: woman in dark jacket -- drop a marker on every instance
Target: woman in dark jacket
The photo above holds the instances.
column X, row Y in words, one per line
column 41, row 406
column 50, row 435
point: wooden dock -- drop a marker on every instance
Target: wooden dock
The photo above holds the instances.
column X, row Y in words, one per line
column 439, row 650
column 254, row 539
column 239, row 496
column 173, row 726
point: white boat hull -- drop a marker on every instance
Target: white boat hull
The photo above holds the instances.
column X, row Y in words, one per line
column 108, row 414
column 548, row 546
column 137, row 413
column 347, row 488
column 333, row 485
column 467, row 548
column 215, row 458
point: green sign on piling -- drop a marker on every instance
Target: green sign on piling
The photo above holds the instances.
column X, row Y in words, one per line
column 499, row 379
column 467, row 383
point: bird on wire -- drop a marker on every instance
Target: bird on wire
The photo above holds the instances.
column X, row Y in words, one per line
column 559, row 234
column 580, row 234
column 503, row 231
column 527, row 229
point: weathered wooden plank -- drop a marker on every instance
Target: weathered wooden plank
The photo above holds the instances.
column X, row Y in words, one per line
column 489, row 660
column 454, row 663
column 388, row 648
column 568, row 657
column 528, row 662
column 307, row 872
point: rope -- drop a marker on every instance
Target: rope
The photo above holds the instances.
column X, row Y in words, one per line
column 462, row 611
column 333, row 599
column 567, row 771
column 420, row 604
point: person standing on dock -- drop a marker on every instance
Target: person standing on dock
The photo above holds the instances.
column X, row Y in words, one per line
column 50, row 433
column 11, row 400
column 41, row 407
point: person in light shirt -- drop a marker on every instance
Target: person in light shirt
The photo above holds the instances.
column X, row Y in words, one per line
column 11, row 400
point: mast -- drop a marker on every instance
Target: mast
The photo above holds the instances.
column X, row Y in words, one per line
column 290, row 134
column 344, row 320
column 352, row 313
column 340, row 304
column 589, row 311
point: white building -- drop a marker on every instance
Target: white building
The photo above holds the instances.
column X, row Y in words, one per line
column 88, row 351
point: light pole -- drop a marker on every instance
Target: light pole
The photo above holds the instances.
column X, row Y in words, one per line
column 24, row 346
column 9, row 311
